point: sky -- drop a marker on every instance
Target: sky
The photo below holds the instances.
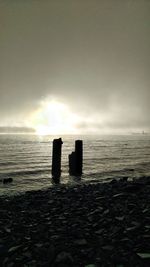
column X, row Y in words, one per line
column 85, row 61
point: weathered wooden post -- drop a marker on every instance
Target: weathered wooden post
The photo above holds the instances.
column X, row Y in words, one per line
column 79, row 156
column 76, row 159
column 56, row 159
column 72, row 163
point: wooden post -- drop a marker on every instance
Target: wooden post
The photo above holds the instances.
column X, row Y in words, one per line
column 79, row 156
column 56, row 158
column 72, row 163
column 76, row 159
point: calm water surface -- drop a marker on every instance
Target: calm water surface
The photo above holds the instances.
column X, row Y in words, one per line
column 27, row 159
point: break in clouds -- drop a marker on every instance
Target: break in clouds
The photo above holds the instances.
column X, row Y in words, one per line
column 93, row 56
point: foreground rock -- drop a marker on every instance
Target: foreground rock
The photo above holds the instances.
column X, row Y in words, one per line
column 84, row 225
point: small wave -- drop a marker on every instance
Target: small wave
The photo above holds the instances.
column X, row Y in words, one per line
column 24, row 173
column 8, row 163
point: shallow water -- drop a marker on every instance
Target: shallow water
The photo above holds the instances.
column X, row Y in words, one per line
column 27, row 159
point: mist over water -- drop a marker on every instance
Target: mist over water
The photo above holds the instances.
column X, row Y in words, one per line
column 27, row 159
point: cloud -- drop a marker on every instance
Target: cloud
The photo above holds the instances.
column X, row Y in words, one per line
column 92, row 56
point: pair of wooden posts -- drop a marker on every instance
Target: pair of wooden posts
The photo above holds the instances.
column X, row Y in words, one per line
column 75, row 159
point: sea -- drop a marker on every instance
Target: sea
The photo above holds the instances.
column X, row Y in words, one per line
column 27, row 159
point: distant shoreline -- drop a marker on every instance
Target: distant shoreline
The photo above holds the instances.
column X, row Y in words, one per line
column 16, row 130
column 90, row 135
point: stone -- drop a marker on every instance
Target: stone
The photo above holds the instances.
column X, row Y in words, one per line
column 14, row 248
column 7, row 180
column 98, row 232
column 64, row 258
column 80, row 242
column 144, row 255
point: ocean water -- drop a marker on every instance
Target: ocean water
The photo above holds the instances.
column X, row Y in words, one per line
column 27, row 159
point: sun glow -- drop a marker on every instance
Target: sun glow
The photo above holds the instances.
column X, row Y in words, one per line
column 54, row 118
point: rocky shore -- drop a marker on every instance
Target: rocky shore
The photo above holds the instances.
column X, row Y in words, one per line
column 83, row 225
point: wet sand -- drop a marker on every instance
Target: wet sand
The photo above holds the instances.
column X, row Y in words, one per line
column 83, row 225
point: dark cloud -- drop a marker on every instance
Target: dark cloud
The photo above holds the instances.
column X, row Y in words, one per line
column 92, row 55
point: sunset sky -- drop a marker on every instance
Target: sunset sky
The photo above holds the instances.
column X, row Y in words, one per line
column 75, row 66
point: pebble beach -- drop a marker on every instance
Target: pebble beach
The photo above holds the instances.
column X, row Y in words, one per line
column 87, row 225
